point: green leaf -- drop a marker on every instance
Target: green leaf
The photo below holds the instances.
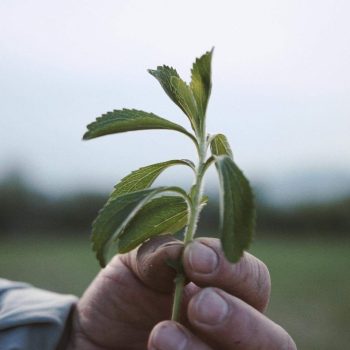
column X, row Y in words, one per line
column 201, row 82
column 186, row 101
column 116, row 214
column 179, row 92
column 168, row 214
column 145, row 176
column 164, row 74
column 110, row 220
column 220, row 146
column 237, row 210
column 129, row 120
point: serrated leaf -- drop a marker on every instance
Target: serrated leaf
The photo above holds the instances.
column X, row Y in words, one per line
column 129, row 120
column 220, row 146
column 161, row 215
column 116, row 214
column 237, row 209
column 179, row 92
column 144, row 177
column 186, row 101
column 201, row 82
column 163, row 74
column 167, row 214
column 110, row 218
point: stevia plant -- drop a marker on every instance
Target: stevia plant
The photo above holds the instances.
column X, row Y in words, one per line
column 135, row 211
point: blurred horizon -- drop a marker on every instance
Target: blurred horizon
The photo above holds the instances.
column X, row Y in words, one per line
column 281, row 211
column 294, row 188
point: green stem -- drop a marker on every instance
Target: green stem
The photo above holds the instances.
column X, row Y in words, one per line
column 192, row 224
column 179, row 287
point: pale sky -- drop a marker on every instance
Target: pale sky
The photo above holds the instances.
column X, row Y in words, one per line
column 281, row 84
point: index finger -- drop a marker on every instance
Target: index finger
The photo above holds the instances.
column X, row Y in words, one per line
column 206, row 266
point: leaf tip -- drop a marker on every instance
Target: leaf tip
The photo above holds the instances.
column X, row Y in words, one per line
column 234, row 258
column 101, row 261
column 99, row 255
column 87, row 136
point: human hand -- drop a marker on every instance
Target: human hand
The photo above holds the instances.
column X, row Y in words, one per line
column 126, row 305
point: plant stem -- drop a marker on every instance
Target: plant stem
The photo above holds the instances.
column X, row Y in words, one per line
column 179, row 287
column 192, row 224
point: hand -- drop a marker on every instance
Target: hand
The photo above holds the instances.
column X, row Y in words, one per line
column 126, row 305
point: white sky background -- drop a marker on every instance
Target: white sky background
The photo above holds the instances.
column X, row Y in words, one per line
column 281, row 84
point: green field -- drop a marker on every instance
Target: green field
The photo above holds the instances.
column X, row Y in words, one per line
column 310, row 280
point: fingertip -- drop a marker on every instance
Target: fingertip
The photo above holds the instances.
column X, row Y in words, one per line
column 156, row 243
column 151, row 262
column 208, row 307
column 168, row 335
column 200, row 258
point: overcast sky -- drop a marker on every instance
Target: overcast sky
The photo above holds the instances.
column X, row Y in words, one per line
column 281, row 83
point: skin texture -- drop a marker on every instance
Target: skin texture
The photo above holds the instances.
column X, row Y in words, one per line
column 128, row 304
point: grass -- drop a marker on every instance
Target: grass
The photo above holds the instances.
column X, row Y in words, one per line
column 310, row 290
column 310, row 280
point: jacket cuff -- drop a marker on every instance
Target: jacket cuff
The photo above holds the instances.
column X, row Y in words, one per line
column 32, row 318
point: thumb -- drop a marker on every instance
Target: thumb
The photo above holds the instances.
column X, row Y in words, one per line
column 150, row 262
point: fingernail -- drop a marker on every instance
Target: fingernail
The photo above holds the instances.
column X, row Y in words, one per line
column 169, row 337
column 202, row 258
column 210, row 307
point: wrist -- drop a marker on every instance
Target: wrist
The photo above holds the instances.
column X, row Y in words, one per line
column 78, row 342
column 77, row 339
column 65, row 340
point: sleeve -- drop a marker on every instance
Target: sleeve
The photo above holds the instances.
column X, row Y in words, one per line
column 32, row 318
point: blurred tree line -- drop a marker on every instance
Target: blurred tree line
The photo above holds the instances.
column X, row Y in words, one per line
column 25, row 210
